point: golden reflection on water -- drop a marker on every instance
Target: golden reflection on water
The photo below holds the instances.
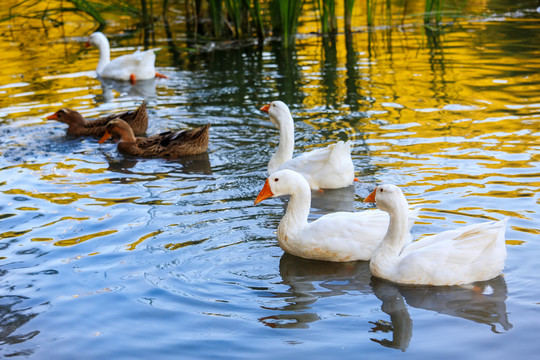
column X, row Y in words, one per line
column 410, row 106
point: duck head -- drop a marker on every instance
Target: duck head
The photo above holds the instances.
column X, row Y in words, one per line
column 118, row 128
column 67, row 116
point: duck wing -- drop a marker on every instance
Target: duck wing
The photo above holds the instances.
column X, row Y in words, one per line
column 170, row 144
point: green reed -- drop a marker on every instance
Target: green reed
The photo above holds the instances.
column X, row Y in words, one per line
column 433, row 12
column 327, row 15
column 284, row 16
column 238, row 19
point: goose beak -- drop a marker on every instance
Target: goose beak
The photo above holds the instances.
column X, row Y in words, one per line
column 105, row 137
column 53, row 116
column 87, row 45
column 265, row 108
column 265, row 193
column 371, row 197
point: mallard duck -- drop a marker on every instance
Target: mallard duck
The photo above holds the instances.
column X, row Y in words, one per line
column 79, row 126
column 129, row 67
column 338, row 237
column 327, row 168
column 471, row 253
column 169, row 144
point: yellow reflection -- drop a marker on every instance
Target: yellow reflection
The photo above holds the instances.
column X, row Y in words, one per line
column 80, row 239
column 180, row 245
column 12, row 234
column 133, row 245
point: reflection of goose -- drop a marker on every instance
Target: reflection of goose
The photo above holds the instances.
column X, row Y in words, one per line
column 482, row 302
column 145, row 89
column 333, row 200
column 471, row 253
column 327, row 168
column 310, row 280
column 129, row 67
column 339, row 236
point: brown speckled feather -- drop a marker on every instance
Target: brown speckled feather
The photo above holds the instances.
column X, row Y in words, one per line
column 79, row 126
column 169, row 144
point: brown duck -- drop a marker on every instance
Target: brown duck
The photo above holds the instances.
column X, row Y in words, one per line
column 170, row 144
column 79, row 126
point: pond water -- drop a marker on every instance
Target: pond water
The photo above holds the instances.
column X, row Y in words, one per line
column 108, row 256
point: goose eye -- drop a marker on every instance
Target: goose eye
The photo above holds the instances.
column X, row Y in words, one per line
column 382, row 189
column 276, row 179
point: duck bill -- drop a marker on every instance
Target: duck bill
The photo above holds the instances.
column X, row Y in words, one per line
column 371, row 197
column 53, row 117
column 265, row 108
column 265, row 193
column 105, row 137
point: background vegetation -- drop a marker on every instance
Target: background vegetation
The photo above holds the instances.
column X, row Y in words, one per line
column 211, row 20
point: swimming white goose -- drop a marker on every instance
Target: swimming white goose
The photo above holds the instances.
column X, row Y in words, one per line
column 132, row 67
column 327, row 168
column 471, row 253
column 338, row 237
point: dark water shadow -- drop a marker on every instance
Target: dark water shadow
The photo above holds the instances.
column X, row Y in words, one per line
column 14, row 315
column 310, row 280
column 482, row 302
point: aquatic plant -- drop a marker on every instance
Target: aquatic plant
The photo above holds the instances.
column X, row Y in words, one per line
column 210, row 20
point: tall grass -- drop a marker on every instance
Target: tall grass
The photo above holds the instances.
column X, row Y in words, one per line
column 231, row 19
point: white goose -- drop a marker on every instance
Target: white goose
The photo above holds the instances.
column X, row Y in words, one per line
column 472, row 253
column 132, row 67
column 338, row 237
column 327, row 168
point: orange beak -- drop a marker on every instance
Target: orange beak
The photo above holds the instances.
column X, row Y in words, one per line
column 87, row 45
column 265, row 108
column 265, row 193
column 53, row 116
column 105, row 137
column 371, row 197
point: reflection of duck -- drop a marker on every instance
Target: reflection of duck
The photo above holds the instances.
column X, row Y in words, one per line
column 310, row 280
column 191, row 164
column 327, row 168
column 482, row 302
column 169, row 144
column 129, row 67
column 79, row 126
column 472, row 253
column 339, row 236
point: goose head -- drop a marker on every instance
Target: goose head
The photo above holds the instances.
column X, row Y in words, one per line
column 118, row 128
column 97, row 39
column 283, row 182
column 386, row 197
column 278, row 111
column 67, row 116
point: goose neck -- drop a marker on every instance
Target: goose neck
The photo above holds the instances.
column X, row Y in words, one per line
column 286, row 144
column 104, row 55
column 297, row 211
